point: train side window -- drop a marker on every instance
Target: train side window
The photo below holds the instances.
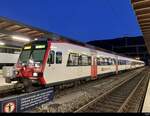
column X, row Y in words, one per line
column 109, row 61
column 58, row 57
column 51, row 57
column 118, row 62
column 84, row 60
column 103, row 61
column 98, row 61
column 73, row 59
column 106, row 61
column 114, row 61
column 89, row 60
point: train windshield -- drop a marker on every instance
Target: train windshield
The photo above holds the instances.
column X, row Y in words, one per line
column 32, row 54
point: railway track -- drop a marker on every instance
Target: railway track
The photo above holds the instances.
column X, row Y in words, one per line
column 105, row 81
column 12, row 91
column 121, row 98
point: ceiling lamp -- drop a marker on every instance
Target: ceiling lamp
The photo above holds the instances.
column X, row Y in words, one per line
column 2, row 43
column 20, row 38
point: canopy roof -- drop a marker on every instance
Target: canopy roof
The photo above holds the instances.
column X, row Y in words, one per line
column 142, row 11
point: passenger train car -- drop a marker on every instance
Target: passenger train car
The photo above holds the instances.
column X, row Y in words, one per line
column 47, row 62
column 8, row 56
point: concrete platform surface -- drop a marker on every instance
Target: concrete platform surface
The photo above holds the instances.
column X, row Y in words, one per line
column 146, row 106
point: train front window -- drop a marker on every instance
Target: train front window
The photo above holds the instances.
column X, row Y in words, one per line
column 38, row 55
column 33, row 54
column 25, row 55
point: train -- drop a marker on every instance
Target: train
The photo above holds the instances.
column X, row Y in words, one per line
column 47, row 62
column 8, row 56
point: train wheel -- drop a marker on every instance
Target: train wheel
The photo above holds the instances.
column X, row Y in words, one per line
column 18, row 86
column 28, row 87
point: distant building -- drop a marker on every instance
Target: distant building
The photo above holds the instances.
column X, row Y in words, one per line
column 129, row 46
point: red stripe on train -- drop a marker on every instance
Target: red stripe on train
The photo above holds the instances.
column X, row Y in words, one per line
column 42, row 80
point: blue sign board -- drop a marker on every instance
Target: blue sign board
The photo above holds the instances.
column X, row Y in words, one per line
column 27, row 101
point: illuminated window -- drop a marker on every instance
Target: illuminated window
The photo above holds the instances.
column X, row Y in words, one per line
column 84, row 60
column 73, row 59
column 58, row 57
column 98, row 61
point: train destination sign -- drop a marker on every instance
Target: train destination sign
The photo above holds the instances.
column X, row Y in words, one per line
column 40, row 46
column 26, row 102
column 27, row 47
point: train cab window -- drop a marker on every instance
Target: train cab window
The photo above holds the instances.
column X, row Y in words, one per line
column 73, row 59
column 51, row 57
column 58, row 57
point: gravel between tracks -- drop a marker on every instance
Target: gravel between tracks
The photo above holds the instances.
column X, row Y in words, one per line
column 71, row 99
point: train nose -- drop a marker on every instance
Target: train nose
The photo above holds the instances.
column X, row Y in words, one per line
column 26, row 72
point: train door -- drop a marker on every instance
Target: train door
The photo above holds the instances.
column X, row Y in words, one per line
column 94, row 68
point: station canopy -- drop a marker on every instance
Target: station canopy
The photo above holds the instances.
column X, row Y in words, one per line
column 16, row 34
column 142, row 11
column 11, row 31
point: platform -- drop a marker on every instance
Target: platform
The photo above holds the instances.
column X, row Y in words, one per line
column 2, row 82
column 146, row 105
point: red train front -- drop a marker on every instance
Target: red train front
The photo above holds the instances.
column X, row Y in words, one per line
column 31, row 64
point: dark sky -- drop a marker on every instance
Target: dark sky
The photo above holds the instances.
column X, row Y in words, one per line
column 83, row 20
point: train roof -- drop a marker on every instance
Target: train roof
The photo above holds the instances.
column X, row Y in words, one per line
column 64, row 39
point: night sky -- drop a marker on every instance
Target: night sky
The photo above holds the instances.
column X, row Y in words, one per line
column 83, row 20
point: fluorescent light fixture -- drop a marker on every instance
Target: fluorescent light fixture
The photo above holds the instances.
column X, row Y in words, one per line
column 36, row 39
column 2, row 43
column 19, row 38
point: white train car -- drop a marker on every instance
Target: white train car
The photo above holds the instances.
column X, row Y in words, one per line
column 8, row 56
column 51, row 63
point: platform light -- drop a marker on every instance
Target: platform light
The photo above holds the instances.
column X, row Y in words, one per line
column 19, row 38
column 2, row 43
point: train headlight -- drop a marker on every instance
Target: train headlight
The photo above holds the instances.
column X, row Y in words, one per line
column 37, row 65
column 16, row 72
column 35, row 74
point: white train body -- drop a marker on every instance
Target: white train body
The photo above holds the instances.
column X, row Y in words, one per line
column 52, row 63
column 8, row 58
column 56, row 73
